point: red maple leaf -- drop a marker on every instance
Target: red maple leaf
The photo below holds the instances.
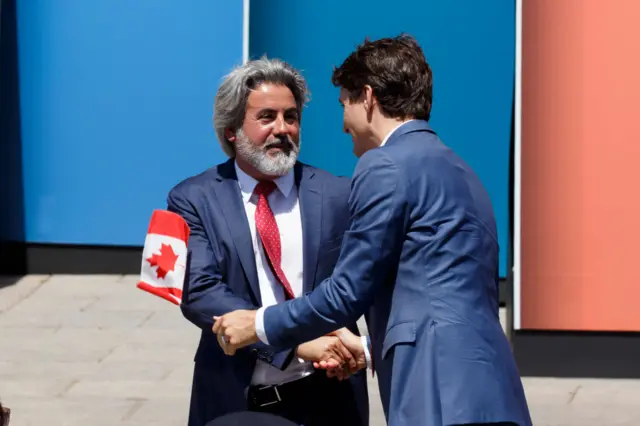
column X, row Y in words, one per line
column 165, row 261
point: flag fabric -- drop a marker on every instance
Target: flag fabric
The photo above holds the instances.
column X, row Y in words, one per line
column 164, row 256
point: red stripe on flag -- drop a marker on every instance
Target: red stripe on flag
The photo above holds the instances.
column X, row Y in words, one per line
column 167, row 223
column 167, row 293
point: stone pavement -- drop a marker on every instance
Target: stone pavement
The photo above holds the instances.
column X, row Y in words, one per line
column 96, row 351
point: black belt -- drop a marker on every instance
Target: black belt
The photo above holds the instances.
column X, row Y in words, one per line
column 262, row 396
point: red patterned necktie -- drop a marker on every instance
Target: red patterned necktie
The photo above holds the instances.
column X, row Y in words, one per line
column 269, row 234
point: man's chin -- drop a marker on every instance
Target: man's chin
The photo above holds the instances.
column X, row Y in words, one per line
column 280, row 169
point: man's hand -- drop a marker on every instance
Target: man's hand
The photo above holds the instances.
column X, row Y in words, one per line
column 235, row 330
column 330, row 351
column 354, row 345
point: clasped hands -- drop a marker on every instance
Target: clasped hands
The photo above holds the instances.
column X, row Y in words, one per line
column 340, row 353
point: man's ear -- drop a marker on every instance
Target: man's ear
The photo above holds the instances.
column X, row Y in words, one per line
column 230, row 135
column 368, row 101
column 368, row 98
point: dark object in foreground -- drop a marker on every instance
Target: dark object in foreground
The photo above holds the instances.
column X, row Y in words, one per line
column 250, row 418
column 5, row 414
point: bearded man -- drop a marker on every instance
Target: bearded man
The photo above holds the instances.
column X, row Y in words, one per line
column 265, row 228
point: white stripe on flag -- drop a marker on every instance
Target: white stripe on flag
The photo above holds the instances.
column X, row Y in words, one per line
column 148, row 274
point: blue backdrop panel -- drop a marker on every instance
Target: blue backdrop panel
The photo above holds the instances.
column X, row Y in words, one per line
column 116, row 104
column 469, row 44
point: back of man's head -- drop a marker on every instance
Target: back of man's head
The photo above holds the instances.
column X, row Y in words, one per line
column 396, row 70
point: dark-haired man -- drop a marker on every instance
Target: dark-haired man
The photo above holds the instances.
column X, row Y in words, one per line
column 421, row 250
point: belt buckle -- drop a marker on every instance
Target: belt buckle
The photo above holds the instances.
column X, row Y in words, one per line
column 270, row 400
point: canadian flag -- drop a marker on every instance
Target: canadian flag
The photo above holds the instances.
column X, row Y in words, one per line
column 164, row 256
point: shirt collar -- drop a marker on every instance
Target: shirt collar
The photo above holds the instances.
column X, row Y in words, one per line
column 384, row 141
column 248, row 184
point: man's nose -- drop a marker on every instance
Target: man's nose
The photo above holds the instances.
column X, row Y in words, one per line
column 280, row 126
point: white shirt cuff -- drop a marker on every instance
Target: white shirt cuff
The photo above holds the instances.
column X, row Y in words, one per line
column 260, row 326
column 367, row 351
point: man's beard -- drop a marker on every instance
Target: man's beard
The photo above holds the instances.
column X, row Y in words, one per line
column 278, row 164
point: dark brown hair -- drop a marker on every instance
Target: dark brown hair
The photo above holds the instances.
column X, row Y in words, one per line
column 396, row 70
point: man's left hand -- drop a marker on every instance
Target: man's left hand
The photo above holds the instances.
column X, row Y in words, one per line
column 236, row 330
column 353, row 344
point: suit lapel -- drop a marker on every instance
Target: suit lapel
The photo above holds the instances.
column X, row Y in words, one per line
column 310, row 199
column 230, row 200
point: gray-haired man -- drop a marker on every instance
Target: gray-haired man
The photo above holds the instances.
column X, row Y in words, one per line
column 264, row 228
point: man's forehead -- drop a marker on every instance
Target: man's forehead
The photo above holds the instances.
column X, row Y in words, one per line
column 271, row 95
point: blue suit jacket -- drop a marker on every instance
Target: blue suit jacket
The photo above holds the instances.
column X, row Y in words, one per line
column 421, row 250
column 221, row 275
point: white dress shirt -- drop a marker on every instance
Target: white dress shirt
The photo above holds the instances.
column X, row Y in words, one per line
column 386, row 138
column 366, row 342
column 286, row 209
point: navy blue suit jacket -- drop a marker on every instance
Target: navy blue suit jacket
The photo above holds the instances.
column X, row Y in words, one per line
column 221, row 275
column 422, row 250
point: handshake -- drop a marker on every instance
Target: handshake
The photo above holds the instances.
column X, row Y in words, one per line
column 340, row 353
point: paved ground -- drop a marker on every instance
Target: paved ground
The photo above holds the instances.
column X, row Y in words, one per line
column 96, row 351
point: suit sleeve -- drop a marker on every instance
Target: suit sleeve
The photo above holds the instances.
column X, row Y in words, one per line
column 370, row 247
column 205, row 294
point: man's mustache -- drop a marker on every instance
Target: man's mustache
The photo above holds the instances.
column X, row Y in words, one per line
column 285, row 142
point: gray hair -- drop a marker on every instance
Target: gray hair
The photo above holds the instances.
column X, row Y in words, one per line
column 231, row 100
